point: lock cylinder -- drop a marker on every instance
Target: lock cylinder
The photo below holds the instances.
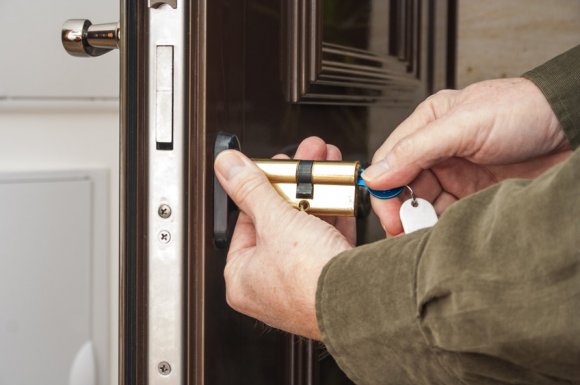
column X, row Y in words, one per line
column 326, row 188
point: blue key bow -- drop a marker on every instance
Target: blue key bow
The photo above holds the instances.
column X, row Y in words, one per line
column 381, row 194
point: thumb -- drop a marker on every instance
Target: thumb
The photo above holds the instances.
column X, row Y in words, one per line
column 436, row 142
column 247, row 185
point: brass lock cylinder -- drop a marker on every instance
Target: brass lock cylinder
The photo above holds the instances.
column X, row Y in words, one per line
column 317, row 187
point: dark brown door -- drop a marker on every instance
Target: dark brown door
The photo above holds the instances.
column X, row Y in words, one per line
column 272, row 73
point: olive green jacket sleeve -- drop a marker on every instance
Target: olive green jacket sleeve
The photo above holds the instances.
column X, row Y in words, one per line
column 559, row 80
column 489, row 295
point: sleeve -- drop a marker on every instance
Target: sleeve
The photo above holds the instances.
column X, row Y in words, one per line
column 489, row 295
column 559, row 80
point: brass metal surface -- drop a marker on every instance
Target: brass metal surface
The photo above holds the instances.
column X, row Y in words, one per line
column 334, row 185
column 323, row 172
column 328, row 199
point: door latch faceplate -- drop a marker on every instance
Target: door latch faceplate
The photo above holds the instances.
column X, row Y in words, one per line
column 166, row 197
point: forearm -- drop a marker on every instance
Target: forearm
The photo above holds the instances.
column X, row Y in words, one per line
column 492, row 291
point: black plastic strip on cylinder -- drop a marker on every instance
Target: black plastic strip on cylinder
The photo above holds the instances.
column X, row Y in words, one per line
column 304, row 187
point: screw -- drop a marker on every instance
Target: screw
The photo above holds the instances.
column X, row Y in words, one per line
column 303, row 205
column 164, row 368
column 164, row 211
column 164, row 236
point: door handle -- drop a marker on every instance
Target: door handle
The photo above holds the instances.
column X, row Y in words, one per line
column 225, row 212
column 82, row 38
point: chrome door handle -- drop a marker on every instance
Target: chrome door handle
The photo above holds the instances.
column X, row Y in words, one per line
column 82, row 38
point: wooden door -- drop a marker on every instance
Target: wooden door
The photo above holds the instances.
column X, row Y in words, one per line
column 272, row 73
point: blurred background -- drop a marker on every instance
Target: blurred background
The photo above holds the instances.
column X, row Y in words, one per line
column 59, row 172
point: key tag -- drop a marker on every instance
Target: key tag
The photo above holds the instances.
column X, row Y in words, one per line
column 417, row 214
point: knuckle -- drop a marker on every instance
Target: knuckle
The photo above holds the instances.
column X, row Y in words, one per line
column 377, row 157
column 436, row 104
column 333, row 152
column 404, row 147
column 445, row 93
column 385, row 149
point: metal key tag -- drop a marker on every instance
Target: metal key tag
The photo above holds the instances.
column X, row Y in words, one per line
column 417, row 214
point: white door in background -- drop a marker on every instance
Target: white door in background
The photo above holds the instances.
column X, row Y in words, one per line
column 54, row 278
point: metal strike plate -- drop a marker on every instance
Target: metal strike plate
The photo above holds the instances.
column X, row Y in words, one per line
column 167, row 143
column 334, row 191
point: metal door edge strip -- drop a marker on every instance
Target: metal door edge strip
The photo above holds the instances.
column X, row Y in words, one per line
column 166, row 206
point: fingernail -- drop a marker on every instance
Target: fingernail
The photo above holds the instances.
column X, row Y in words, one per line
column 229, row 163
column 376, row 170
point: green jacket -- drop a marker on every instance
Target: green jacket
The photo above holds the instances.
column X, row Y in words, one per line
column 490, row 295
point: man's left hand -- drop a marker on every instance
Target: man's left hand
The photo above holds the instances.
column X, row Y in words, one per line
column 277, row 253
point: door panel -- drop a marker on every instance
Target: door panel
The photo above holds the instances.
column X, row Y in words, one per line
column 354, row 52
column 272, row 73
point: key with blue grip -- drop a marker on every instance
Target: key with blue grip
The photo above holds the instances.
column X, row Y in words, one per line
column 381, row 194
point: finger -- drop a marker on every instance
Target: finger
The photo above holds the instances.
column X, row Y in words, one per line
column 280, row 156
column 312, row 148
column 426, row 186
column 460, row 177
column 333, row 152
column 244, row 236
column 429, row 110
column 442, row 202
column 439, row 141
column 387, row 210
column 248, row 187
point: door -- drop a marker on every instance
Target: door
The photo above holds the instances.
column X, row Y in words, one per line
column 272, row 73
column 276, row 72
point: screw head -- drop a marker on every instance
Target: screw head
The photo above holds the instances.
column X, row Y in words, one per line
column 164, row 236
column 164, row 368
column 164, row 211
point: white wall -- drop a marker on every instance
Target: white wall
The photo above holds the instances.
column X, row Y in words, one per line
column 55, row 136
column 505, row 38
column 58, row 112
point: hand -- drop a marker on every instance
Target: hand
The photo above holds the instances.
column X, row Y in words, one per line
column 458, row 142
column 277, row 253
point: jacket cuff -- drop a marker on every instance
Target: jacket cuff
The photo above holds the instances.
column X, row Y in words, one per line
column 368, row 317
column 559, row 80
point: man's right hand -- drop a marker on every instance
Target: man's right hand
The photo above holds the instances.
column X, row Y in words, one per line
column 459, row 142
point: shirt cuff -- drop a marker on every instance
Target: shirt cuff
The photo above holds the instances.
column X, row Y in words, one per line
column 559, row 80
